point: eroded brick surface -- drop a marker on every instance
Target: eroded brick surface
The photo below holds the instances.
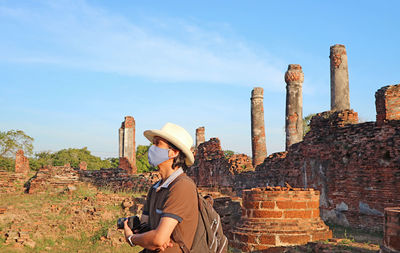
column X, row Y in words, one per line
column 391, row 239
column 21, row 163
column 278, row 217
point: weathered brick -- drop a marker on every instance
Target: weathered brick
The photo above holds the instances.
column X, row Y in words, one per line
column 304, row 214
column 294, row 239
column 268, row 204
column 266, row 214
column 291, row 205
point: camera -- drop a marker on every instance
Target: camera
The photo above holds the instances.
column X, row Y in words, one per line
column 134, row 224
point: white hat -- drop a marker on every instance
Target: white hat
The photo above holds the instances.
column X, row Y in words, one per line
column 177, row 136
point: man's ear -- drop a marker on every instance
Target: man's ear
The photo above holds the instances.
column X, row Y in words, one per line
column 172, row 153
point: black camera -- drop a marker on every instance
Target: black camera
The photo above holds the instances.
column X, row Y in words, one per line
column 134, row 224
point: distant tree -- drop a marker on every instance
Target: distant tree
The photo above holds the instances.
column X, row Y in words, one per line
column 142, row 162
column 74, row 156
column 114, row 162
column 13, row 140
column 306, row 123
column 41, row 159
column 10, row 142
column 228, row 153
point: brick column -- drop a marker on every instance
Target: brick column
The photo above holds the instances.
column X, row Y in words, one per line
column 276, row 216
column 387, row 103
column 294, row 78
column 127, row 146
column 391, row 238
column 199, row 136
column 259, row 148
column 21, row 162
column 340, row 98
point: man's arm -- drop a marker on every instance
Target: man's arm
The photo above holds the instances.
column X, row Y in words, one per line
column 159, row 238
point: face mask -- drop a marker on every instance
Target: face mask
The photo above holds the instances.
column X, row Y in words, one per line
column 157, row 155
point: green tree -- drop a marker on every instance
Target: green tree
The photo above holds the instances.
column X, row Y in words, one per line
column 13, row 140
column 74, row 156
column 41, row 159
column 306, row 123
column 10, row 142
column 114, row 161
column 228, row 153
column 142, row 162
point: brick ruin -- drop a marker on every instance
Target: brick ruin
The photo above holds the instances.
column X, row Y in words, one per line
column 275, row 216
column 294, row 79
column 258, row 146
column 391, row 238
column 200, row 136
column 353, row 167
column 340, row 98
column 127, row 146
column 21, row 163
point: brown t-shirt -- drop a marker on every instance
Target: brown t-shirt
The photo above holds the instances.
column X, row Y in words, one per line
column 177, row 200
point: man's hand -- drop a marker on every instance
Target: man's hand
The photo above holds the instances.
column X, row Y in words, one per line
column 127, row 231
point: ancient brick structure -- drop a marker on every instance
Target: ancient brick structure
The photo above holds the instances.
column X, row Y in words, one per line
column 340, row 98
column 83, row 165
column 258, row 144
column 127, row 146
column 274, row 217
column 53, row 178
column 21, row 163
column 200, row 138
column 387, row 101
column 10, row 181
column 239, row 163
column 355, row 166
column 391, row 238
column 211, row 168
column 294, row 78
column 119, row 179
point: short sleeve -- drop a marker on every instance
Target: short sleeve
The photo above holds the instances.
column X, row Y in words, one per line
column 182, row 202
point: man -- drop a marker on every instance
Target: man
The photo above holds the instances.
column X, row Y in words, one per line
column 171, row 208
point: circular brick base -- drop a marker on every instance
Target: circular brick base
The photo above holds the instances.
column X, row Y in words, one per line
column 273, row 217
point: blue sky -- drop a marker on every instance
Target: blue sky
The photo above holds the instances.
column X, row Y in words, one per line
column 71, row 70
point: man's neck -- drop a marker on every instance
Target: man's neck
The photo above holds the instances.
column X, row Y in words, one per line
column 166, row 172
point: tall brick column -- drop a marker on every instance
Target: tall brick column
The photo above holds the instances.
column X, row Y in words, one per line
column 199, row 136
column 127, row 151
column 387, row 103
column 294, row 78
column 340, row 98
column 258, row 145
column 21, row 162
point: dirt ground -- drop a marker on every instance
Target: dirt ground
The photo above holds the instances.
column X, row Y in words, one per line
column 83, row 219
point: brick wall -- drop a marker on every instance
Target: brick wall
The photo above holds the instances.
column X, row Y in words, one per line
column 387, row 102
column 119, row 179
column 355, row 166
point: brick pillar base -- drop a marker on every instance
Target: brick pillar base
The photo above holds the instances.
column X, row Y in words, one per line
column 272, row 217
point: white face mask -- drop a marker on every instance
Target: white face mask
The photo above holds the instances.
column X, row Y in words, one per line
column 157, row 155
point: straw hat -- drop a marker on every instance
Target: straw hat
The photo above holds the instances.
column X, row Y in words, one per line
column 177, row 136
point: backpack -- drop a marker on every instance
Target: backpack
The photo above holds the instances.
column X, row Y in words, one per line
column 209, row 236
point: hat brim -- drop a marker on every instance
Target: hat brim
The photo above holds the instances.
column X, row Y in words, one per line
column 150, row 134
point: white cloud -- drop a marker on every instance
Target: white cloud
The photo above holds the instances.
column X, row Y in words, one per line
column 75, row 34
